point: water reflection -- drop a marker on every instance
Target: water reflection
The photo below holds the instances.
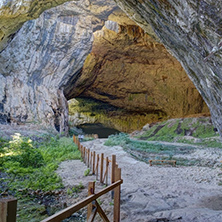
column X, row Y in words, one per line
column 97, row 128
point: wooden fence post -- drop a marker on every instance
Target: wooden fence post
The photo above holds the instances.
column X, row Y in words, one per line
column 101, row 167
column 116, row 213
column 91, row 160
column 113, row 168
column 107, row 168
column 106, row 172
column 74, row 139
column 84, row 154
column 88, row 152
column 97, row 167
column 81, row 150
column 91, row 190
column 94, row 162
column 8, row 208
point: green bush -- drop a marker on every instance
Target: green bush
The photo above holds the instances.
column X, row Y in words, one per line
column 3, row 147
column 3, row 143
column 117, row 140
column 29, row 165
column 59, row 149
column 32, row 167
column 87, row 172
column 23, row 152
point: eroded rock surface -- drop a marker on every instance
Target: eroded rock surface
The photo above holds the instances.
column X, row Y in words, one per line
column 127, row 68
column 14, row 13
column 192, row 31
column 43, row 61
column 44, row 57
column 40, row 60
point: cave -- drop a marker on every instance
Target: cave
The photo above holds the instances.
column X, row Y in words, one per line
column 126, row 63
column 68, row 52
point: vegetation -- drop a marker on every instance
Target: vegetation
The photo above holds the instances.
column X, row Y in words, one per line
column 94, row 111
column 75, row 189
column 156, row 141
column 87, row 172
column 27, row 167
column 142, row 146
column 198, row 131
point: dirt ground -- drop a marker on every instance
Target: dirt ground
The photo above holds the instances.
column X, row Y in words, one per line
column 157, row 193
column 27, row 130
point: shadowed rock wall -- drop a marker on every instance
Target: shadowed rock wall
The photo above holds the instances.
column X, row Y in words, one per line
column 192, row 31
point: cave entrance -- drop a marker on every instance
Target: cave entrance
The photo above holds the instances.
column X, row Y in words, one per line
column 127, row 68
column 89, row 116
column 85, row 112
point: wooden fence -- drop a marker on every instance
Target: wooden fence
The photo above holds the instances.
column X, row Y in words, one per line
column 108, row 172
column 100, row 166
column 8, row 208
column 63, row 214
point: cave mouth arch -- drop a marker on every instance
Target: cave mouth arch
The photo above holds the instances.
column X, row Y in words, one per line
column 52, row 66
column 127, row 68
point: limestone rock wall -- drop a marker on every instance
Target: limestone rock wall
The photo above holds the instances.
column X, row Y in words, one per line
column 39, row 61
column 14, row 13
column 40, row 64
column 192, row 31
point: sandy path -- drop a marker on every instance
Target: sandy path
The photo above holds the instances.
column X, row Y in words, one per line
column 164, row 193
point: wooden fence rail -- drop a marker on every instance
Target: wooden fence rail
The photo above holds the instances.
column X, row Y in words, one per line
column 99, row 166
column 63, row 214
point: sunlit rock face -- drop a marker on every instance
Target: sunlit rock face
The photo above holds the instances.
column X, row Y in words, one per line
column 41, row 59
column 127, row 68
column 192, row 31
column 44, row 58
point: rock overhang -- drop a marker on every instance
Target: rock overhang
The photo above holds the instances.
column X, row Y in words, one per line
column 189, row 29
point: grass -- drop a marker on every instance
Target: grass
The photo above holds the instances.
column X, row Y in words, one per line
column 87, row 172
column 26, row 165
column 146, row 151
column 75, row 189
column 142, row 146
column 162, row 131
column 199, row 130
column 27, row 209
